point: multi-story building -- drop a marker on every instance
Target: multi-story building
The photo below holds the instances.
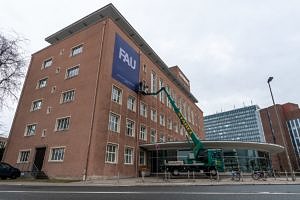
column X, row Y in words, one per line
column 80, row 114
column 289, row 120
column 242, row 124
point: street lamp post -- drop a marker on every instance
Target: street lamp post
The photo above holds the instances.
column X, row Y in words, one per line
column 281, row 132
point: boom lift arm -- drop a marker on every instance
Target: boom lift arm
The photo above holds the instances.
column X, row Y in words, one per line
column 197, row 142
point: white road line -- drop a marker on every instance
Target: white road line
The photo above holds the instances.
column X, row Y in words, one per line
column 145, row 192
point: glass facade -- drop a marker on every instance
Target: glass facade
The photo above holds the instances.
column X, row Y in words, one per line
column 243, row 124
column 246, row 160
column 294, row 130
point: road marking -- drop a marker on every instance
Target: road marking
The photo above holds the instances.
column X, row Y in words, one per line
column 146, row 192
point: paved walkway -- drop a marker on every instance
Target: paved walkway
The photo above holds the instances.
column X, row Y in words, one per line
column 151, row 181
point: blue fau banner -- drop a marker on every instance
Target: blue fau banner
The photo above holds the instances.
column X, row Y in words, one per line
column 126, row 64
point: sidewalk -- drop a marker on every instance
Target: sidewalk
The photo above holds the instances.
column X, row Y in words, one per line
column 150, row 181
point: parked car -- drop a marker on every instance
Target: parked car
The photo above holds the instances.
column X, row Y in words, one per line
column 8, row 171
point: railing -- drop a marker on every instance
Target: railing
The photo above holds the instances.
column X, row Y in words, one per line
column 246, row 177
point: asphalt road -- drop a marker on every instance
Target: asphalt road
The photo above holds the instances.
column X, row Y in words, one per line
column 228, row 192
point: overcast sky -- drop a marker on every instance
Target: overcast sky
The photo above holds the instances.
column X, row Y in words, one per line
column 227, row 48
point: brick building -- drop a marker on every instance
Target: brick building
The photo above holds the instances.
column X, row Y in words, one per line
column 80, row 116
column 289, row 117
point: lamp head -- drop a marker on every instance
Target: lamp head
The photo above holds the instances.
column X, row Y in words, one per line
column 270, row 79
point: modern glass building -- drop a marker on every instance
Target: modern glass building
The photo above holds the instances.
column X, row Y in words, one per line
column 294, row 130
column 243, row 124
column 246, row 156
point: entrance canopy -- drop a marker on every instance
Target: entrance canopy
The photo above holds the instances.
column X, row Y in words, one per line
column 266, row 147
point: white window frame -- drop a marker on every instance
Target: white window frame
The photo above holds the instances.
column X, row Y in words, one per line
column 130, row 131
column 35, row 107
column 153, row 115
column 131, row 105
column 169, row 124
column 153, row 137
column 116, row 94
column 161, row 94
column 76, row 50
column 144, row 155
column 61, row 157
column 27, row 133
column 46, row 63
column 39, row 85
column 175, row 127
column 62, row 118
column 67, row 100
column 143, row 134
column 27, row 157
column 162, row 120
column 108, row 153
column 143, row 109
column 128, row 158
column 76, row 69
column 118, row 123
column 167, row 99
column 153, row 82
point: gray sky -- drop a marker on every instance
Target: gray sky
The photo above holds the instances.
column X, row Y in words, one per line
column 227, row 48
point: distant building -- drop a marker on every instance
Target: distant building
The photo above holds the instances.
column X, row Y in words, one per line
column 242, row 124
column 289, row 117
column 3, row 141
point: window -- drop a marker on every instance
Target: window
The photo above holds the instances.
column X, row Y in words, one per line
column 111, row 153
column 68, row 96
column 114, row 122
column 161, row 94
column 128, row 155
column 175, row 126
column 162, row 138
column 153, row 82
column 130, row 128
column 162, row 119
column 143, row 109
column 116, row 95
column 153, row 114
column 72, row 72
column 49, row 109
column 142, row 158
column 36, row 105
column 169, row 124
column 63, row 124
column 53, row 89
column 77, row 50
column 24, row 156
column 42, row 83
column 57, row 154
column 153, row 136
column 44, row 132
column 47, row 63
column 30, row 130
column 131, row 103
column 143, row 133
column 168, row 101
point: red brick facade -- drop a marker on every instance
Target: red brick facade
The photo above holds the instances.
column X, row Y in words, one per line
column 272, row 133
column 74, row 135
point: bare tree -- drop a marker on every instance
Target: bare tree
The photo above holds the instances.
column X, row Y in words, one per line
column 12, row 65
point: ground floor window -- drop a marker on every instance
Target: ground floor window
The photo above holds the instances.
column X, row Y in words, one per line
column 111, row 153
column 57, row 154
column 142, row 158
column 24, row 156
column 128, row 155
